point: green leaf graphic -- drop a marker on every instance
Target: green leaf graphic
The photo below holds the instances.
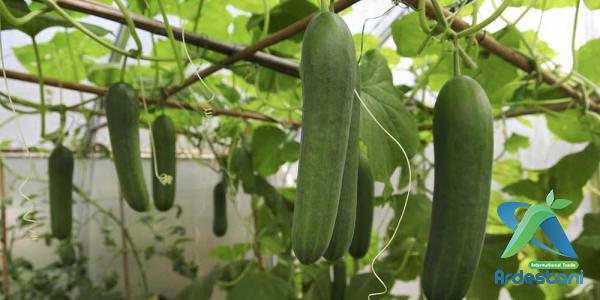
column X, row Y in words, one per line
column 550, row 198
column 561, row 203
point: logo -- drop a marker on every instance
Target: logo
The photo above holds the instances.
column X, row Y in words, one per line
column 537, row 216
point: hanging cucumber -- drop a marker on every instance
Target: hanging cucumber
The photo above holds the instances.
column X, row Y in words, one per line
column 123, row 116
column 60, row 177
column 328, row 71
column 364, row 210
column 220, row 209
column 346, row 213
column 164, row 137
column 338, row 287
column 463, row 151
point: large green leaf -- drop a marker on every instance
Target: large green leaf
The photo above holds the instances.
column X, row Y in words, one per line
column 567, row 178
column 587, row 246
column 261, row 286
column 587, row 56
column 199, row 289
column 56, row 57
column 406, row 254
column 19, row 8
column 408, row 36
column 267, row 142
column 544, row 4
column 482, row 286
column 385, row 102
column 573, row 126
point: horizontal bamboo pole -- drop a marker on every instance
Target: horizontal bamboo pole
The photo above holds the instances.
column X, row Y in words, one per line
column 272, row 39
column 273, row 62
column 169, row 103
column 518, row 60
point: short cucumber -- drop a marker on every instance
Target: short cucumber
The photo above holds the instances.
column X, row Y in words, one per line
column 463, row 152
column 346, row 214
column 164, row 135
column 364, row 210
column 60, row 177
column 328, row 71
column 123, row 116
column 220, row 209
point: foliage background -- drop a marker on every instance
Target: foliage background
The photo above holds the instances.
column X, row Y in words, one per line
column 532, row 151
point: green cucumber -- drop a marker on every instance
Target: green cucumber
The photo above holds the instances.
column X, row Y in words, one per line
column 123, row 116
column 338, row 287
column 346, row 213
column 463, row 152
column 220, row 209
column 364, row 210
column 328, row 72
column 66, row 253
column 60, row 177
column 164, row 136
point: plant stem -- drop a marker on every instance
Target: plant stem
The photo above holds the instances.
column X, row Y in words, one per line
column 456, row 58
column 259, row 258
column 171, row 39
column 476, row 27
column 40, row 74
column 19, row 21
column 423, row 18
column 130, row 26
column 125, row 232
column 124, row 250
column 324, row 5
column 5, row 271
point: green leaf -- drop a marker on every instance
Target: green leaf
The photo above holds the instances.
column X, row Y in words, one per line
column 526, row 292
column 550, row 198
column 406, row 254
column 544, row 4
column 253, row 6
column 589, row 53
column 19, row 8
column 56, row 58
column 261, row 286
column 361, row 285
column 571, row 125
column 530, row 189
column 408, row 36
column 561, row 203
column 482, row 286
column 516, row 142
column 199, row 289
column 230, row 253
column 320, row 288
column 592, row 4
column 567, row 178
column 267, row 143
column 571, row 173
column 587, row 246
column 507, row 171
column 494, row 224
column 385, row 102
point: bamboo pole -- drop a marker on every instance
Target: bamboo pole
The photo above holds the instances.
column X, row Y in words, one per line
column 511, row 56
column 148, row 24
column 168, row 103
column 272, row 39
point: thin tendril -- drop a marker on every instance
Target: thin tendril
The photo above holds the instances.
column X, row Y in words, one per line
column 26, row 217
column 207, row 110
column 163, row 178
column 362, row 33
column 405, row 202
